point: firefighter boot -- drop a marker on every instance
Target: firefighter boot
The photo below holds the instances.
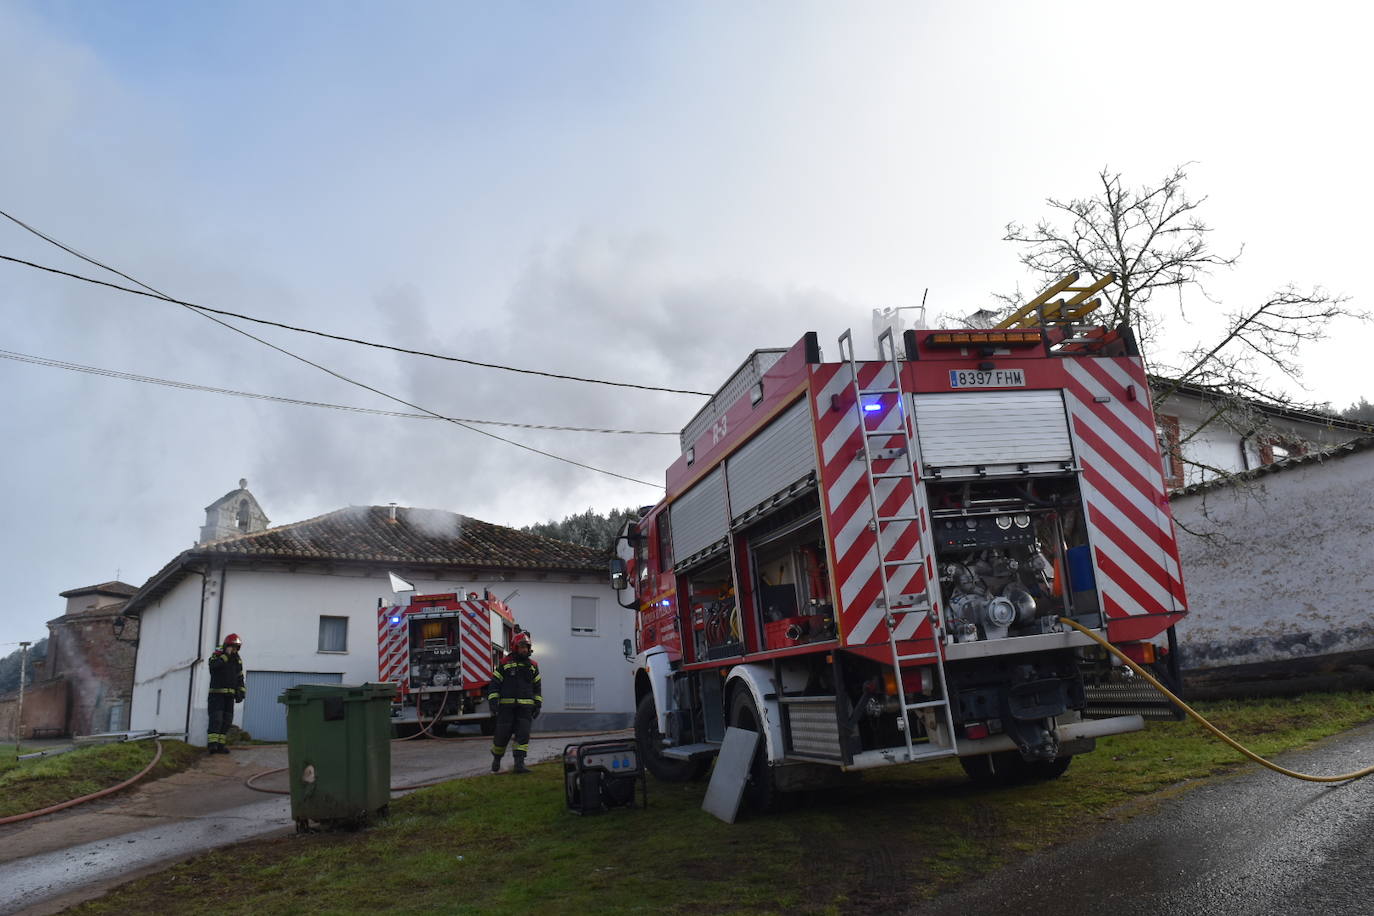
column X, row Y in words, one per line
column 495, row 764
column 520, row 764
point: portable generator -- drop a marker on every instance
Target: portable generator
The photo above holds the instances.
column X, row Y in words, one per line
column 599, row 775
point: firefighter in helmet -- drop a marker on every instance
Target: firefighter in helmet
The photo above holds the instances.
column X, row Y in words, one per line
column 514, row 695
column 226, row 689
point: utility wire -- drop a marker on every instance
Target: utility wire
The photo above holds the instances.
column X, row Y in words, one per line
column 343, row 378
column 191, row 386
column 339, row 337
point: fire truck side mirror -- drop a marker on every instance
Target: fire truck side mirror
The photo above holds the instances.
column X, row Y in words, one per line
column 619, row 581
column 629, row 650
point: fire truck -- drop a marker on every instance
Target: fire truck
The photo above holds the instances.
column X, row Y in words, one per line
column 440, row 651
column 869, row 562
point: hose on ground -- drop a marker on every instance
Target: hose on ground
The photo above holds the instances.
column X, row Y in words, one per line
column 14, row 818
column 1197, row 716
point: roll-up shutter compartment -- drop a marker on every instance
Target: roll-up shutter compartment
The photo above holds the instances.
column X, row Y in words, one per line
column 773, row 461
column 698, row 517
column 992, row 432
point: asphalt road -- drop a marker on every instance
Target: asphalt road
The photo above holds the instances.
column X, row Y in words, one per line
column 1256, row 843
column 53, row 862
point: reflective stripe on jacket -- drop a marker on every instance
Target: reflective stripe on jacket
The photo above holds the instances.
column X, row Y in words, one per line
column 226, row 672
column 516, row 682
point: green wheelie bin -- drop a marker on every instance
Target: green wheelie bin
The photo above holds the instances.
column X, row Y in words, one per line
column 338, row 751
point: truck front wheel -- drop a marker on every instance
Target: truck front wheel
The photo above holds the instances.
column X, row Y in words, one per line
column 650, row 742
column 761, row 792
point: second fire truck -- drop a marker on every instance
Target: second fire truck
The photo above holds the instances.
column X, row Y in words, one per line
column 440, row 650
column 867, row 562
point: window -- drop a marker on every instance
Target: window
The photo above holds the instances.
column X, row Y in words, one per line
column 333, row 634
column 579, row 693
column 584, row 616
column 1170, row 452
column 665, row 544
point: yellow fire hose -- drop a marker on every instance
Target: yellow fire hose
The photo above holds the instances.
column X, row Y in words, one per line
column 1203, row 722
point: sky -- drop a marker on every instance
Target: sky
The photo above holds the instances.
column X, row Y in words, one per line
column 641, row 192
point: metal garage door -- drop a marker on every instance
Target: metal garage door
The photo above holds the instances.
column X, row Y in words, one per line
column 778, row 456
column 993, row 432
column 262, row 716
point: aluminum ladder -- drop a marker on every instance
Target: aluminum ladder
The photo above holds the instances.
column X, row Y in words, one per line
column 918, row 602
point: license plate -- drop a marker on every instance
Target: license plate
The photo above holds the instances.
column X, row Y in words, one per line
column 987, row 378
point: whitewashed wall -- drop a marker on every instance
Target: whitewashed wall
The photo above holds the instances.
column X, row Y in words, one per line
column 170, row 652
column 1289, row 575
column 277, row 614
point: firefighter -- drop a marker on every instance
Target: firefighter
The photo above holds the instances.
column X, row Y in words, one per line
column 515, row 702
column 226, row 689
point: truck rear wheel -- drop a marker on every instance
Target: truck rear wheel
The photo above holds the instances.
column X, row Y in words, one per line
column 761, row 792
column 1009, row 768
column 650, row 742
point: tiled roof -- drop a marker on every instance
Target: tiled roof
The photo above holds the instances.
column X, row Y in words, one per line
column 1362, row 444
column 415, row 536
column 1212, row 393
column 368, row 535
column 116, row 588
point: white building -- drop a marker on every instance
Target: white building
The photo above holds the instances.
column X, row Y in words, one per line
column 303, row 597
column 1205, row 435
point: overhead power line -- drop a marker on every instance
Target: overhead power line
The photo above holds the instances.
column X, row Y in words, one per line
column 191, row 386
column 325, row 369
column 340, row 337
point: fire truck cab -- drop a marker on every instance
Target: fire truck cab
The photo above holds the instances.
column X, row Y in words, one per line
column 867, row 561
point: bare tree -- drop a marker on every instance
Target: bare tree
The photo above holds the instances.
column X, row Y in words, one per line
column 1152, row 238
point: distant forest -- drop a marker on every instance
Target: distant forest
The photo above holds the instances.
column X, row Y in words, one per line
column 9, row 665
column 590, row 528
column 1363, row 411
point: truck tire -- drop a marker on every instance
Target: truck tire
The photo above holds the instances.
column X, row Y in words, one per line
column 1009, row 768
column 1045, row 770
column 761, row 792
column 650, row 743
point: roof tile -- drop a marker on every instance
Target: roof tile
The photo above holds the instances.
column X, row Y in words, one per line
column 427, row 536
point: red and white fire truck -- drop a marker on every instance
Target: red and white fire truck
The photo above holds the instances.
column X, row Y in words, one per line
column 440, row 651
column 866, row 561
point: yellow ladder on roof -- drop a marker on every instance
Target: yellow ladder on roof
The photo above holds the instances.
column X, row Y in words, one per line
column 1040, row 311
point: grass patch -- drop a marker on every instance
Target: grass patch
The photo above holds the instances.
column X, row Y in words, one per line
column 504, row 844
column 28, row 785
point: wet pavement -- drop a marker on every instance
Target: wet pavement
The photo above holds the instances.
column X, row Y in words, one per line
column 58, row 860
column 1257, row 843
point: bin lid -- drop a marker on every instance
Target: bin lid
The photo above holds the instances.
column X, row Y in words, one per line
column 306, row 693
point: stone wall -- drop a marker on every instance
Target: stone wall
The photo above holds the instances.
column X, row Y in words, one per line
column 99, row 669
column 1279, row 586
column 45, row 712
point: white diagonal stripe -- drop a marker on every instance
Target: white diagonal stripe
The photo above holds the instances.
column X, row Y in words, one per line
column 865, row 627
column 1146, row 581
column 1121, row 450
column 1128, row 527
